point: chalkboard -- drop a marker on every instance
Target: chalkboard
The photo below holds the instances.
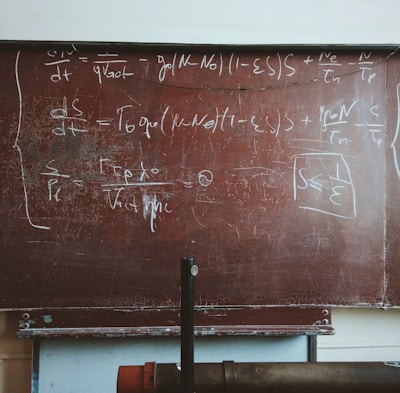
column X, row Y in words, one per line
column 275, row 168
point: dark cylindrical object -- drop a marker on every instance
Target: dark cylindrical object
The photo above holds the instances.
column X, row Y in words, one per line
column 229, row 377
column 188, row 271
column 312, row 348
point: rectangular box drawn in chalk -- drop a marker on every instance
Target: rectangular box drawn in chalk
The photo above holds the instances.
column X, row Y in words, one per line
column 322, row 182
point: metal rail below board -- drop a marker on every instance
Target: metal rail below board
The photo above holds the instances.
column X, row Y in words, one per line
column 165, row 321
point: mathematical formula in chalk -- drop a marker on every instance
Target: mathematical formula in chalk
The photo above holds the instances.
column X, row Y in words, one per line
column 141, row 133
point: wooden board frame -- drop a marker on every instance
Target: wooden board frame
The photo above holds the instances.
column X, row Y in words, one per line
column 37, row 275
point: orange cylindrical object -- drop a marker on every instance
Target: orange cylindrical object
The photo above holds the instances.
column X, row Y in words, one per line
column 130, row 379
column 148, row 377
column 136, row 379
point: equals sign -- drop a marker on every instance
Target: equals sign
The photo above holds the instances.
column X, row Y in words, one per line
column 104, row 122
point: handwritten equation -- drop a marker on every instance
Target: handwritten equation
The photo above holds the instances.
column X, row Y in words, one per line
column 331, row 120
column 327, row 65
column 156, row 136
column 329, row 178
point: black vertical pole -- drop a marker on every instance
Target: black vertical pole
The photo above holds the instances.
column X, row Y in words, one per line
column 188, row 272
column 312, row 348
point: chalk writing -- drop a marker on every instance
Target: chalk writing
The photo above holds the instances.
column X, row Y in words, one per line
column 151, row 207
column 395, row 142
column 60, row 63
column 330, row 63
column 110, row 66
column 104, row 66
column 334, row 121
column 54, row 183
column 72, row 120
column 205, row 177
column 71, row 123
column 276, row 67
column 322, row 182
column 147, row 149
column 18, row 148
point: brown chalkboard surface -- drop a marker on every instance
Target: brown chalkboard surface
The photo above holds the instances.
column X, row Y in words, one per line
column 276, row 169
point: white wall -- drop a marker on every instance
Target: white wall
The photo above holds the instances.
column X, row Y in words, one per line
column 362, row 335
column 205, row 21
